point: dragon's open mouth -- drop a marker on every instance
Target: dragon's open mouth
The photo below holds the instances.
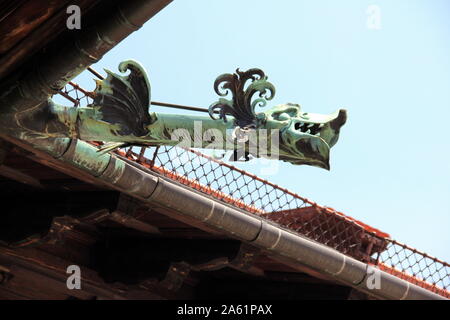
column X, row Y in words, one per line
column 325, row 130
column 310, row 128
column 308, row 141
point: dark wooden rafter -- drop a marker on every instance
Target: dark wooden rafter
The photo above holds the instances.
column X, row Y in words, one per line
column 28, row 26
column 11, row 173
column 78, row 238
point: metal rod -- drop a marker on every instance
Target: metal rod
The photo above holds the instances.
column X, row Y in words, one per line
column 155, row 103
column 178, row 106
column 95, row 73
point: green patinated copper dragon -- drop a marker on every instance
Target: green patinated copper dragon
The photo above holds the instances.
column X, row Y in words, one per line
column 120, row 115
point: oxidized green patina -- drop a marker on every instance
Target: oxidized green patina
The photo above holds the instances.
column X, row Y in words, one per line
column 120, row 115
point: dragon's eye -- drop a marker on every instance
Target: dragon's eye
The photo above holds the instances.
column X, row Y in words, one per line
column 283, row 116
column 304, row 115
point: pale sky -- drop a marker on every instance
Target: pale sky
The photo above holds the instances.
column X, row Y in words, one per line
column 390, row 168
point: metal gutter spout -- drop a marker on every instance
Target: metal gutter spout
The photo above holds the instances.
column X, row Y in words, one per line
column 286, row 245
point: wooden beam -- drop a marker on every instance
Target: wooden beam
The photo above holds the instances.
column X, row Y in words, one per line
column 19, row 176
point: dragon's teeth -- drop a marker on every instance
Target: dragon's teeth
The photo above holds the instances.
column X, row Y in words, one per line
column 310, row 125
column 321, row 125
column 308, row 131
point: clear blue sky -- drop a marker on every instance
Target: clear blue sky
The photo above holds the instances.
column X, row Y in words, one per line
column 391, row 167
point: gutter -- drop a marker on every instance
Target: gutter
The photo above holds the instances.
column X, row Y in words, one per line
column 65, row 59
column 281, row 244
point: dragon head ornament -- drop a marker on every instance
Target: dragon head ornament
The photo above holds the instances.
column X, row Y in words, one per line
column 304, row 138
column 120, row 114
